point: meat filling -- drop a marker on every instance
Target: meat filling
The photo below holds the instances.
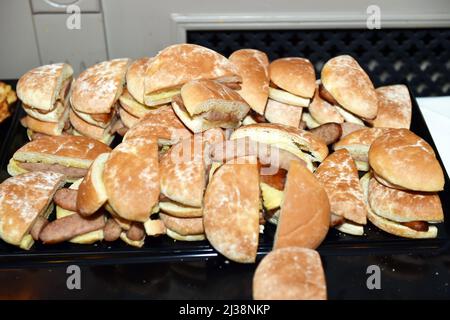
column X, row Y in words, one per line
column 416, row 225
column 71, row 173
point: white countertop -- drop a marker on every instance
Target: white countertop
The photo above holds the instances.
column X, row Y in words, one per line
column 436, row 112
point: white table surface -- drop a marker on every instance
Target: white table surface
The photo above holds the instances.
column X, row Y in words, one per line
column 436, row 112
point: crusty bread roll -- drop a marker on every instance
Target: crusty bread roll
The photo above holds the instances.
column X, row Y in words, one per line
column 131, row 178
column 183, row 226
column 132, row 106
column 394, row 107
column 231, row 210
column 23, row 199
column 40, row 87
column 407, row 161
column 206, row 104
column 290, row 274
column 396, row 227
column 253, row 66
column 350, row 86
column 89, row 130
column 91, row 192
column 294, row 75
column 176, row 65
column 135, row 78
column 98, row 87
column 339, row 177
column 305, row 211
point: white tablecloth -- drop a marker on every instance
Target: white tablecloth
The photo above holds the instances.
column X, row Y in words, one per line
column 436, row 112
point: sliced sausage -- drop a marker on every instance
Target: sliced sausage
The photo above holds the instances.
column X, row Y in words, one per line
column 66, row 199
column 336, row 220
column 417, row 225
column 136, row 232
column 328, row 132
column 68, row 171
column 66, row 228
column 112, row 230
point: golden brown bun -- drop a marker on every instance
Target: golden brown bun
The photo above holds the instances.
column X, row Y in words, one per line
column 294, row 75
column 214, row 102
column 305, row 211
column 403, row 205
column 55, row 115
column 136, row 76
column 253, row 66
column 70, row 151
column 394, row 107
column 339, row 177
column 390, row 226
column 22, row 199
column 131, row 178
column 324, row 112
column 161, row 123
column 87, row 129
column 183, row 226
column 99, row 86
column 347, row 82
column 127, row 119
column 48, row 128
column 39, row 87
column 290, row 274
column 231, row 211
column 284, row 137
column 132, row 106
column 180, row 63
column 282, row 113
column 406, row 160
column 183, row 173
column 91, row 192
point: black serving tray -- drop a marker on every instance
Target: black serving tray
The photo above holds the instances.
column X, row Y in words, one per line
column 165, row 249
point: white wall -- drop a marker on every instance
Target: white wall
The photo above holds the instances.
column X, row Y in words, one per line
column 137, row 28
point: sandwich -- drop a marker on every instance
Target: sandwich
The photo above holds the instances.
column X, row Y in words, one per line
column 305, row 211
column 206, row 104
column 402, row 160
column 94, row 98
column 339, row 176
column 65, row 200
column 290, row 274
column 301, row 143
column 346, row 85
column 161, row 123
column 394, row 107
column 358, row 144
column 178, row 64
column 33, row 125
column 131, row 179
column 293, row 81
column 253, row 66
column 131, row 106
column 402, row 213
column 25, row 204
column 183, row 178
column 69, row 155
column 231, row 210
column 45, row 92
